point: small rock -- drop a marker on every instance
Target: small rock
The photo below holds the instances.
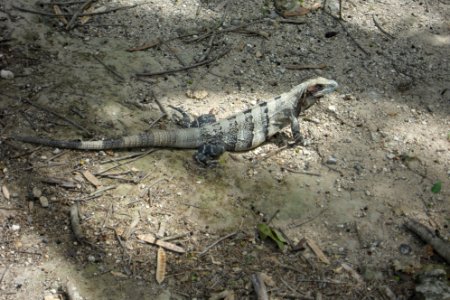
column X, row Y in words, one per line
column 199, row 95
column 235, row 22
column 374, row 136
column 371, row 273
column 331, row 160
column 390, row 156
column 91, row 258
column 44, row 201
column 15, row 227
column 405, row 249
column 349, row 97
column 6, row 74
column 37, row 193
column 51, row 297
column 165, row 295
column 332, row 108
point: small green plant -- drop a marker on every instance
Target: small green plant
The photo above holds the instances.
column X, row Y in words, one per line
column 436, row 188
column 265, row 231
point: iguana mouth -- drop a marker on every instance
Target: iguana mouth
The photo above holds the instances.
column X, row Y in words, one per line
column 318, row 90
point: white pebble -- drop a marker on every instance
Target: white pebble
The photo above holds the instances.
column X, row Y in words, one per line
column 6, row 74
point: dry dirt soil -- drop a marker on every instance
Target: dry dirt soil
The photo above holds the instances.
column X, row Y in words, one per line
column 375, row 148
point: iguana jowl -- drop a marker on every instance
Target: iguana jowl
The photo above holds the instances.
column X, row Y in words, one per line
column 242, row 131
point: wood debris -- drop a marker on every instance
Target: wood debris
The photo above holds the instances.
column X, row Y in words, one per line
column 317, row 251
column 91, row 178
column 151, row 239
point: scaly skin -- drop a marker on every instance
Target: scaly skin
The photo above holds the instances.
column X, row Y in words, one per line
column 242, row 131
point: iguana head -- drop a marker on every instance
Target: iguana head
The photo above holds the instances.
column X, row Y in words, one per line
column 312, row 90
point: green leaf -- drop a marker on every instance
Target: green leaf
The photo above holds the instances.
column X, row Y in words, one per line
column 436, row 188
column 276, row 236
column 264, row 230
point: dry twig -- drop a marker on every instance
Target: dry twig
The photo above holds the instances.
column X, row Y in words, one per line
column 216, row 242
column 117, row 75
column 381, row 28
column 83, row 7
column 201, row 63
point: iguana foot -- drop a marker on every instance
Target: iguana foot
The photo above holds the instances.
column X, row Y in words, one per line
column 208, row 154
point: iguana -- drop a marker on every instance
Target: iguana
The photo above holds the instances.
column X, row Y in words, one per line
column 242, row 131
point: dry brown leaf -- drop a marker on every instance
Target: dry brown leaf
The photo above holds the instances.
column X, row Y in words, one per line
column 316, row 6
column 91, row 178
column 352, row 272
column 118, row 274
column 298, row 12
column 59, row 14
column 85, row 19
column 161, row 265
column 5, row 192
column 226, row 295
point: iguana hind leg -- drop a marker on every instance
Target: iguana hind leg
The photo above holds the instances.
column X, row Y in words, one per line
column 208, row 154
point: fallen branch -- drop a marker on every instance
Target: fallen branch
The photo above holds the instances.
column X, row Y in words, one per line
column 347, row 32
column 442, row 247
column 204, row 62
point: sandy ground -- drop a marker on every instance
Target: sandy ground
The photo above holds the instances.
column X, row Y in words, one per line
column 375, row 149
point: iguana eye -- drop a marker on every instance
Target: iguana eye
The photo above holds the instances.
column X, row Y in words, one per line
column 315, row 88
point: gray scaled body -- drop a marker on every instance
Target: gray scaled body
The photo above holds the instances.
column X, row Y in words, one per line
column 242, row 131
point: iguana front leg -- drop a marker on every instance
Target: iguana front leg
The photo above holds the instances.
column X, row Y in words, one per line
column 295, row 129
column 200, row 121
